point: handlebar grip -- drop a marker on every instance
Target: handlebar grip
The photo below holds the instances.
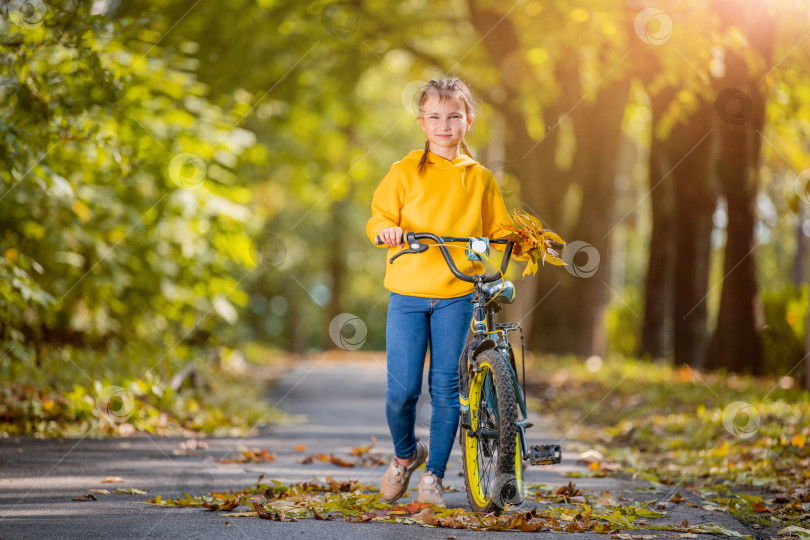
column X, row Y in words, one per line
column 378, row 241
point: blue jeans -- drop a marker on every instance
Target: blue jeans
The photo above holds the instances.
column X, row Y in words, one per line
column 412, row 323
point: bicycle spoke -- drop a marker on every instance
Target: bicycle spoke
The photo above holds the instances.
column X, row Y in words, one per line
column 487, row 446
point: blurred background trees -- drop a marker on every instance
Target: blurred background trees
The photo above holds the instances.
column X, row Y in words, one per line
column 182, row 175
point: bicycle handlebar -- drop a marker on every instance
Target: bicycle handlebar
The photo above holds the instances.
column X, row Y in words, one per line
column 415, row 246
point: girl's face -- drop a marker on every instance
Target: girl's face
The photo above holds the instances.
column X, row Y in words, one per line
column 445, row 123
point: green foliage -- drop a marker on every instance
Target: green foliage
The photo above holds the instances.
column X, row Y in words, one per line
column 102, row 236
column 785, row 328
column 623, row 323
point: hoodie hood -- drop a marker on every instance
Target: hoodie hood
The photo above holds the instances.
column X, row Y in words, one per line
column 462, row 161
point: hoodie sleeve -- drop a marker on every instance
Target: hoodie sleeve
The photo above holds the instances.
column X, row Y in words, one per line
column 386, row 203
column 493, row 210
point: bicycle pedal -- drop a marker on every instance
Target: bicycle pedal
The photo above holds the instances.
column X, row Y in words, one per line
column 545, row 454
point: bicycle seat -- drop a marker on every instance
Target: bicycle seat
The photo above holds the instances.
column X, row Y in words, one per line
column 507, row 295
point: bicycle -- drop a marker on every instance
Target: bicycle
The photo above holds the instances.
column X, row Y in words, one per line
column 493, row 407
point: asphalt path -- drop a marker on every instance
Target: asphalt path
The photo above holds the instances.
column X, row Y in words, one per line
column 342, row 406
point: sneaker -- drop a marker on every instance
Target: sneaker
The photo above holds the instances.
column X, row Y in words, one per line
column 394, row 482
column 430, row 489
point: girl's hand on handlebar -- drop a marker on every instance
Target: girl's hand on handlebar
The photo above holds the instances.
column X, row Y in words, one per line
column 392, row 236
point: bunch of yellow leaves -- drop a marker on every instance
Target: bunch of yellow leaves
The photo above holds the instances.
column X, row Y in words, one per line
column 532, row 240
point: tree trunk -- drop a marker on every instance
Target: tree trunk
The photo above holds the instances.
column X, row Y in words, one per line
column 567, row 312
column 737, row 341
column 542, row 184
column 598, row 132
column 690, row 156
column 656, row 329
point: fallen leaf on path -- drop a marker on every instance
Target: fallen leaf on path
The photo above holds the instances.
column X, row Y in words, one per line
column 415, row 507
column 250, row 455
column 760, row 507
column 713, row 508
column 319, row 516
column 794, row 531
column 85, row 497
column 569, row 490
column 677, row 498
column 331, row 458
column 713, row 528
column 340, row 462
column 192, row 444
column 130, row 491
column 113, row 480
column 342, row 486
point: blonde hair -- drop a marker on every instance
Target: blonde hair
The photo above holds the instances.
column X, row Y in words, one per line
column 451, row 88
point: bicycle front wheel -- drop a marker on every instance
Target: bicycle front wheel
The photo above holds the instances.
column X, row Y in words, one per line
column 491, row 449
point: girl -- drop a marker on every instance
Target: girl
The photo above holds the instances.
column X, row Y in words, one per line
column 442, row 190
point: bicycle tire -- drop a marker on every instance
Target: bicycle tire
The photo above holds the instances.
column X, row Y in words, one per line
column 493, row 469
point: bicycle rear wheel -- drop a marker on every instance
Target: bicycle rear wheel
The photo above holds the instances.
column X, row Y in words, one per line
column 492, row 461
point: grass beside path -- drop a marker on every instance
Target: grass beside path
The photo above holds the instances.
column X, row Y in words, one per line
column 86, row 393
column 742, row 443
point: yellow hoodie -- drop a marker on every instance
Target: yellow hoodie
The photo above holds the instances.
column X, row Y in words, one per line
column 451, row 198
